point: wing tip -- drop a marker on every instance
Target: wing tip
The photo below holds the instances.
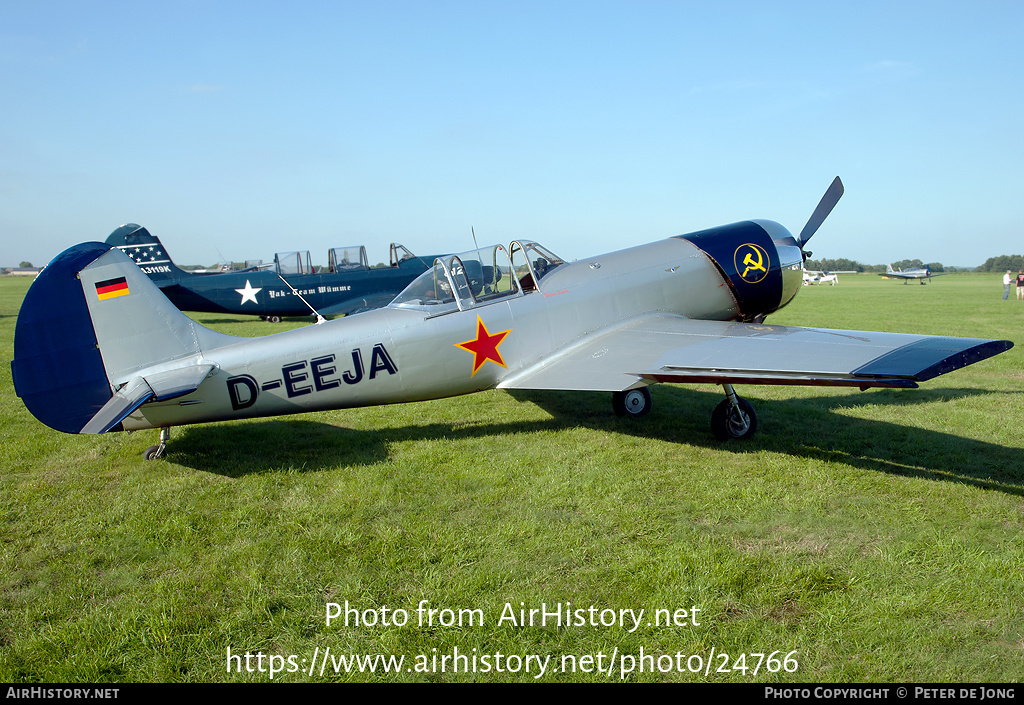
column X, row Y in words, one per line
column 930, row 357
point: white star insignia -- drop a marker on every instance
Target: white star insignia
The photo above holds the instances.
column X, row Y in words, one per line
column 248, row 293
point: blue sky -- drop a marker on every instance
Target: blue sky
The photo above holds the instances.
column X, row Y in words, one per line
column 237, row 129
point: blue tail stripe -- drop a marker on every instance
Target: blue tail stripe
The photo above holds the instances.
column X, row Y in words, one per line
column 58, row 371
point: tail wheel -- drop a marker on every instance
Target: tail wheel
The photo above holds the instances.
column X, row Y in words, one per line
column 729, row 420
column 158, row 451
column 632, row 402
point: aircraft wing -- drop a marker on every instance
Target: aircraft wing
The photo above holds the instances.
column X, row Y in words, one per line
column 667, row 348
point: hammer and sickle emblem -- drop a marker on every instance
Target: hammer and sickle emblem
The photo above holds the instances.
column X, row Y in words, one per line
column 752, row 268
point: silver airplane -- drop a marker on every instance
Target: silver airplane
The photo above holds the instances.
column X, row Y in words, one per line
column 906, row 274
column 98, row 348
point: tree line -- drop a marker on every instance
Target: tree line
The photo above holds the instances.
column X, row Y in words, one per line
column 848, row 265
column 1002, row 263
column 992, row 264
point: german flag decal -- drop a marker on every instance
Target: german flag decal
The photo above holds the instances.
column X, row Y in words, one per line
column 112, row 288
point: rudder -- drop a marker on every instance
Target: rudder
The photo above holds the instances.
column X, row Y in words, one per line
column 146, row 250
column 93, row 327
column 57, row 368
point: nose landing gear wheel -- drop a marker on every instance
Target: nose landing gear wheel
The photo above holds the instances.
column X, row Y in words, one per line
column 632, row 402
column 733, row 420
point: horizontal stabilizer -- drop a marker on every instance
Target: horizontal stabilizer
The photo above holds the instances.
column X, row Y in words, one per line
column 124, row 401
column 177, row 382
column 159, row 386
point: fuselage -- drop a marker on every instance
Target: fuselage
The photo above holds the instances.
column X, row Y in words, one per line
column 264, row 293
column 406, row 353
column 282, row 290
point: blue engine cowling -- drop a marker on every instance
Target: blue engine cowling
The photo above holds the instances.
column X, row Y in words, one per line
column 759, row 259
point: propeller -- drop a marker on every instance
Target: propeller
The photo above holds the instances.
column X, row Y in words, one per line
column 825, row 206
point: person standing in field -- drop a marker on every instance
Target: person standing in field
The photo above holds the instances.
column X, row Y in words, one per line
column 1020, row 285
column 1006, row 285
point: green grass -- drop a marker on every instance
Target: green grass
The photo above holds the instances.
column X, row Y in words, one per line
column 879, row 535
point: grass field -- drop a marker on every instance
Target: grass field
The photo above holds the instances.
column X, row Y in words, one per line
column 864, row 536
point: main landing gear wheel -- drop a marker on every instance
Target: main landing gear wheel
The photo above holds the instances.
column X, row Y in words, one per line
column 733, row 418
column 632, row 402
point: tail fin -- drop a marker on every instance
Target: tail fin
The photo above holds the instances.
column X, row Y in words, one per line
column 147, row 251
column 95, row 339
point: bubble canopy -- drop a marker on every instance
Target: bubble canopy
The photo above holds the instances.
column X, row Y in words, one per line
column 478, row 277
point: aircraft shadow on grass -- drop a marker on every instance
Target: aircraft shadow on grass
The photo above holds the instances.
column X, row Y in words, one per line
column 802, row 428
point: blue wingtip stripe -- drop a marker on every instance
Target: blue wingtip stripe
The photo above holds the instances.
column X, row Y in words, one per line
column 930, row 357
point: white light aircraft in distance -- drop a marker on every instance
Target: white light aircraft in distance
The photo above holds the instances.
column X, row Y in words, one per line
column 98, row 348
column 813, row 277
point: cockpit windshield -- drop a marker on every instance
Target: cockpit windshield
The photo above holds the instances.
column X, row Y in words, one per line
column 532, row 262
column 460, row 282
column 430, row 291
column 347, row 259
column 400, row 253
column 293, row 262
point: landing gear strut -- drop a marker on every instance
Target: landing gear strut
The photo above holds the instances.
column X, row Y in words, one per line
column 734, row 417
column 159, row 451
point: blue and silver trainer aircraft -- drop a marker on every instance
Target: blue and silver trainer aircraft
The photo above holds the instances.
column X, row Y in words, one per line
column 906, row 274
column 289, row 287
column 99, row 348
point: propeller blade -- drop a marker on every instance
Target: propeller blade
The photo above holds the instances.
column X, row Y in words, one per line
column 825, row 206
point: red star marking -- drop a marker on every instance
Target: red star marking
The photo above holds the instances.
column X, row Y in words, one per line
column 485, row 346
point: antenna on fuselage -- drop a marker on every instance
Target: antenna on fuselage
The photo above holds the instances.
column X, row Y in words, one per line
column 319, row 319
column 221, row 262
